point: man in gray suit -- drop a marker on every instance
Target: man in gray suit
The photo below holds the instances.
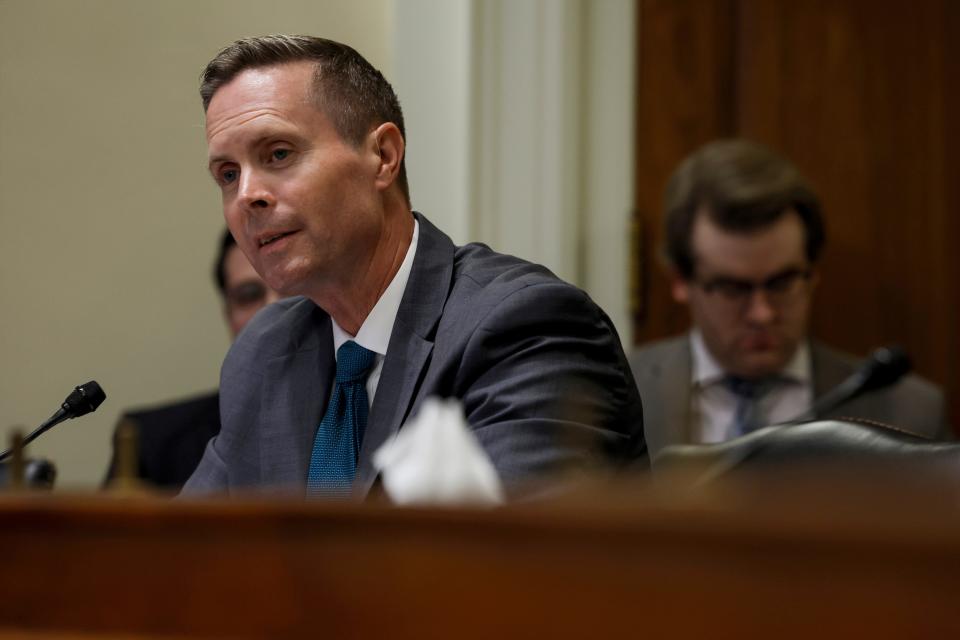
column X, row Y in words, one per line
column 743, row 235
column 306, row 141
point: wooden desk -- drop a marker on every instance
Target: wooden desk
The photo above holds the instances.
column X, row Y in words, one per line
column 611, row 561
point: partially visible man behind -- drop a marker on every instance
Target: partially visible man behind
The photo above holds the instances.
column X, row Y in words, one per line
column 171, row 438
column 306, row 142
column 743, row 234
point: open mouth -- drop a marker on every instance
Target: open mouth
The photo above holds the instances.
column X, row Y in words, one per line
column 760, row 343
column 271, row 239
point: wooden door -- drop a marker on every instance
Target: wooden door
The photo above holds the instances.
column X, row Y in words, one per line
column 861, row 95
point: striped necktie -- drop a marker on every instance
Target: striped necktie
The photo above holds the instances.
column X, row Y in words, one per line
column 747, row 415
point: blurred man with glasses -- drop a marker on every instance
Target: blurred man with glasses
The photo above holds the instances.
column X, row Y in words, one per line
column 172, row 437
column 743, row 233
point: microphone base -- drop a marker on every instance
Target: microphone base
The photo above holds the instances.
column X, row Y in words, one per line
column 38, row 473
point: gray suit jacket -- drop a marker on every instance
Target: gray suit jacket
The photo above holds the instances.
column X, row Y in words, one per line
column 538, row 366
column 663, row 372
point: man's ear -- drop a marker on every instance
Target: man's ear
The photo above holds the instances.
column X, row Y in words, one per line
column 679, row 286
column 390, row 148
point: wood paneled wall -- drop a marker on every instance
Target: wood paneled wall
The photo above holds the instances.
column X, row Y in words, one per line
column 862, row 96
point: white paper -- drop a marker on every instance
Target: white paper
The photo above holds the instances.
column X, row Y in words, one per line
column 436, row 459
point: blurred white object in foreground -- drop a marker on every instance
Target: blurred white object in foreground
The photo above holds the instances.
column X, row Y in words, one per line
column 436, row 459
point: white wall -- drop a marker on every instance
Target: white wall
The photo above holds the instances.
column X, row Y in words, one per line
column 608, row 155
column 432, row 54
column 108, row 220
column 519, row 120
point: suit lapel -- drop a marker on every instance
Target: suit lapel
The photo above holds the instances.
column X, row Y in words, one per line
column 411, row 343
column 670, row 384
column 295, row 395
column 828, row 371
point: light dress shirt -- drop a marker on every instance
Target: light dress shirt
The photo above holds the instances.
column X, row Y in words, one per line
column 374, row 333
column 713, row 404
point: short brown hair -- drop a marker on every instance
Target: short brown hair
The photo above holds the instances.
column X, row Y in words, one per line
column 220, row 265
column 348, row 89
column 742, row 186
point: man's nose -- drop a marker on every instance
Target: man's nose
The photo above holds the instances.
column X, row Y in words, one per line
column 254, row 191
column 759, row 309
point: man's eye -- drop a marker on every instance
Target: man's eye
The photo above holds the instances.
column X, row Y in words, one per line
column 782, row 282
column 732, row 288
column 228, row 175
column 281, row 154
column 247, row 294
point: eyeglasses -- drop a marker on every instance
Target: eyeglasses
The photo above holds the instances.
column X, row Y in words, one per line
column 246, row 294
column 779, row 289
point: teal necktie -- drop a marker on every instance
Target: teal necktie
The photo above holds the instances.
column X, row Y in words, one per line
column 333, row 461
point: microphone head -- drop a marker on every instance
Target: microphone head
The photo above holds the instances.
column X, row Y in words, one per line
column 84, row 399
column 886, row 366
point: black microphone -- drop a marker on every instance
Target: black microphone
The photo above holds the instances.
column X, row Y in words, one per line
column 884, row 367
column 81, row 401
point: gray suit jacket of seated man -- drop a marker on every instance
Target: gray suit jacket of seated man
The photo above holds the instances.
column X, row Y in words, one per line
column 538, row 366
column 663, row 373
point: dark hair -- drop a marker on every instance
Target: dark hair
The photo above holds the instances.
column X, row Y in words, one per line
column 742, row 186
column 348, row 89
column 219, row 267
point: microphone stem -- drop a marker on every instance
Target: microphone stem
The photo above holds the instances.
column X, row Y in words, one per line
column 836, row 397
column 52, row 421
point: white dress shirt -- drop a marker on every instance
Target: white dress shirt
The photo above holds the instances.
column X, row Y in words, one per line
column 713, row 404
column 374, row 333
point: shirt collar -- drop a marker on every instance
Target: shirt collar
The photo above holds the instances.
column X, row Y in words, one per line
column 707, row 371
column 374, row 333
